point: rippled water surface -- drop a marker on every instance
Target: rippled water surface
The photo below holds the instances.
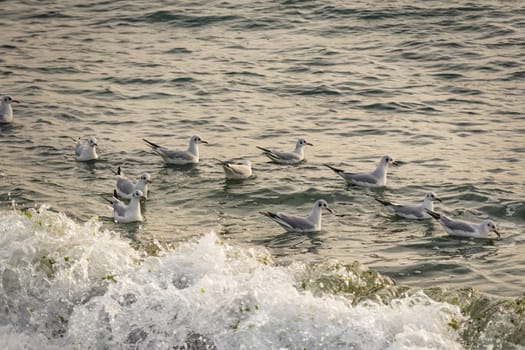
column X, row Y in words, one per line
column 436, row 85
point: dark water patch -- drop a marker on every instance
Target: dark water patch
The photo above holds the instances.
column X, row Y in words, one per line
column 494, row 33
column 461, row 90
column 179, row 50
column 376, row 92
column 58, row 70
column 266, row 23
column 47, row 15
column 499, row 322
column 448, row 44
column 311, row 91
column 519, row 75
column 460, row 101
column 134, row 81
column 448, row 76
column 389, row 107
column 244, row 73
column 506, row 63
column 183, row 20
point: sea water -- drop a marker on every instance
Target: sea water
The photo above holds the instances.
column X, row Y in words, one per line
column 436, row 85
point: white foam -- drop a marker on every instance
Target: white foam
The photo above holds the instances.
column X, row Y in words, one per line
column 107, row 295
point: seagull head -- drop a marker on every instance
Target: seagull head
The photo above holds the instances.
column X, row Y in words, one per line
column 145, row 178
column 321, row 204
column 138, row 194
column 432, row 196
column 491, row 226
column 196, row 140
column 387, row 160
column 6, row 100
column 303, row 142
column 92, row 141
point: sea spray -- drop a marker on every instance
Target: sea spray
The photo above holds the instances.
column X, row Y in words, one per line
column 72, row 285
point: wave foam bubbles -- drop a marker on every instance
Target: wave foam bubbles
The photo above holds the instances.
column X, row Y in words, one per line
column 79, row 286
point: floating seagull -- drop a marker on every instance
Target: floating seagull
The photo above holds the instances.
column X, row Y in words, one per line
column 191, row 156
column 376, row 178
column 292, row 223
column 6, row 112
column 126, row 186
column 413, row 211
column 294, row 157
column 87, row 151
column 123, row 213
column 464, row 228
column 237, row 171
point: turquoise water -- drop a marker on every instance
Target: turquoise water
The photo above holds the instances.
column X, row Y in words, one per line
column 437, row 86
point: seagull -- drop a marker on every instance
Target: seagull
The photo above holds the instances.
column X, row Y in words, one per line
column 464, row 228
column 127, row 213
column 294, row 157
column 126, row 187
column 191, row 156
column 87, row 151
column 6, row 112
column 413, row 211
column 376, row 178
column 292, row 223
column 237, row 171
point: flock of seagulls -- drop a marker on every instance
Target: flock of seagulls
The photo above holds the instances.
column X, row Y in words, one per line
column 137, row 190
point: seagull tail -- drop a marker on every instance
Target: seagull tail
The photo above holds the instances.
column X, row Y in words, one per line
column 266, row 150
column 433, row 214
column 334, row 169
column 385, row 203
column 223, row 163
column 267, row 213
column 107, row 200
column 118, row 172
column 151, row 144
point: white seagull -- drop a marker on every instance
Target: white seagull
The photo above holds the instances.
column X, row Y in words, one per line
column 237, row 171
column 87, row 151
column 376, row 178
column 292, row 223
column 191, row 156
column 464, row 228
column 294, row 157
column 123, row 213
column 413, row 211
column 6, row 112
column 125, row 186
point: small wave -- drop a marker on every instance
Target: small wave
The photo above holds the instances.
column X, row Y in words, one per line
column 184, row 20
column 317, row 90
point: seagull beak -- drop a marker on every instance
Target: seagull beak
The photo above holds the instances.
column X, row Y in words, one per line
column 438, row 199
column 329, row 210
column 309, row 144
column 148, row 181
column 15, row 101
column 142, row 197
column 95, row 145
column 395, row 163
column 202, row 141
column 498, row 233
